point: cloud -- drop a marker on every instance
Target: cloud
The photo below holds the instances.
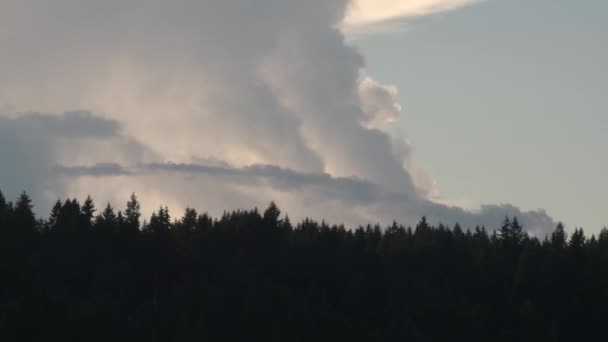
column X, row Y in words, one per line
column 30, row 145
column 33, row 144
column 352, row 200
column 365, row 12
column 213, row 104
column 97, row 170
column 379, row 104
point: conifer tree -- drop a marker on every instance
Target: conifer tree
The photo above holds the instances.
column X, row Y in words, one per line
column 54, row 216
column 559, row 239
column 107, row 220
column 133, row 213
column 87, row 213
column 271, row 215
column 3, row 212
column 23, row 214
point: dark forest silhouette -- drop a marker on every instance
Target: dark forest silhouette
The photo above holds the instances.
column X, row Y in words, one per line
column 88, row 274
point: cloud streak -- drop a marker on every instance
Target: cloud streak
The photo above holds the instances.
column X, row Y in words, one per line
column 365, row 12
column 365, row 198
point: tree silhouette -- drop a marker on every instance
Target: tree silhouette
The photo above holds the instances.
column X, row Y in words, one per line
column 559, row 238
column 133, row 213
column 272, row 214
column 246, row 274
column 23, row 217
column 87, row 213
column 106, row 221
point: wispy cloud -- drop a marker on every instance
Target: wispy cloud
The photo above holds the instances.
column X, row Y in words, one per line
column 97, row 170
column 373, row 16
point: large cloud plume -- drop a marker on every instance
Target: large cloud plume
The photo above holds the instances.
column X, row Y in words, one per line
column 215, row 104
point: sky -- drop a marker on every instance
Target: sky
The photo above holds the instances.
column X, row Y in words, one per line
column 365, row 111
column 505, row 101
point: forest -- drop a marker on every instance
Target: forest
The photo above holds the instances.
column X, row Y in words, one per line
column 103, row 274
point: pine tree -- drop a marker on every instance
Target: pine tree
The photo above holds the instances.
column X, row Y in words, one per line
column 87, row 213
column 54, row 216
column 3, row 212
column 107, row 220
column 160, row 222
column 286, row 224
column 577, row 240
column 559, row 239
column 458, row 233
column 204, row 223
column 603, row 238
column 120, row 220
column 271, row 215
column 511, row 232
column 69, row 220
column 187, row 224
column 23, row 215
column 3, row 204
column 133, row 213
column 422, row 227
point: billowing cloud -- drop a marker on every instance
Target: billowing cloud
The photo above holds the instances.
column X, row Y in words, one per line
column 379, row 104
column 213, row 104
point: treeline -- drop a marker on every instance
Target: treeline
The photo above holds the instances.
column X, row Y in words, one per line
column 107, row 275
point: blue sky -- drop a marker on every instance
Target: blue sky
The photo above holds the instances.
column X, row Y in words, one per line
column 506, row 101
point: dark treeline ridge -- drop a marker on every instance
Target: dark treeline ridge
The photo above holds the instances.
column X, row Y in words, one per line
column 81, row 275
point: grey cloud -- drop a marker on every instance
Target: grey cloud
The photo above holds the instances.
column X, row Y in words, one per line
column 32, row 144
column 352, row 190
column 536, row 222
column 357, row 194
column 98, row 170
column 65, row 125
column 69, row 124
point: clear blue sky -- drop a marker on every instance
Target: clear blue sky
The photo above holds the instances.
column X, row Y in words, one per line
column 505, row 101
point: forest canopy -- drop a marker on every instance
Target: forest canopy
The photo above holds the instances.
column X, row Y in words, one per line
column 99, row 273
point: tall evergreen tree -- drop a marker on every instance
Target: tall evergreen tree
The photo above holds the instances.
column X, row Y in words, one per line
column 69, row 219
column 577, row 240
column 3, row 212
column 54, row 216
column 603, row 237
column 160, row 222
column 422, row 226
column 559, row 238
column 187, row 223
column 23, row 215
column 271, row 215
column 107, row 220
column 3, row 204
column 87, row 213
column 511, row 232
column 133, row 213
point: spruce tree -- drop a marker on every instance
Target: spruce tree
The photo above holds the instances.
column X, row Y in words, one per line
column 23, row 215
column 87, row 213
column 133, row 213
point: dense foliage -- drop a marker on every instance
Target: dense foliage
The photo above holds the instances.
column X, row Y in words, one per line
column 248, row 275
